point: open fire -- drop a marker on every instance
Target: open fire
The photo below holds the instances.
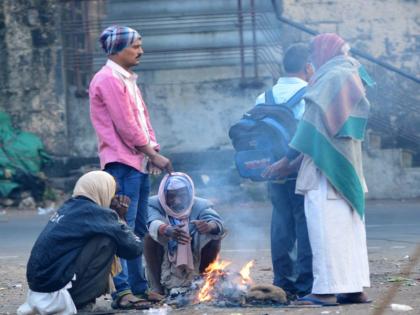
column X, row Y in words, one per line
column 222, row 285
column 219, row 286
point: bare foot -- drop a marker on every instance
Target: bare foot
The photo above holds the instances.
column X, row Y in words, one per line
column 154, row 296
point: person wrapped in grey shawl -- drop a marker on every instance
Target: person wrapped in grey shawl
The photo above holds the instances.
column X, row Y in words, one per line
column 181, row 261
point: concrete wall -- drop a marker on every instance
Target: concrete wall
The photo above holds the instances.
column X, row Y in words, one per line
column 368, row 26
column 388, row 30
column 385, row 28
column 388, row 177
column 192, row 108
column 31, row 83
column 190, row 74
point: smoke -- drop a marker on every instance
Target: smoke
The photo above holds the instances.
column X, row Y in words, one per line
column 243, row 205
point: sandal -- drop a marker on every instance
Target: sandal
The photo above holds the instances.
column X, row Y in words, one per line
column 130, row 302
column 309, row 300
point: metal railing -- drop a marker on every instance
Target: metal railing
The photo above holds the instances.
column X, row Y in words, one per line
column 80, row 59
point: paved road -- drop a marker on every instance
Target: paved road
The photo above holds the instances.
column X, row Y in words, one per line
column 392, row 226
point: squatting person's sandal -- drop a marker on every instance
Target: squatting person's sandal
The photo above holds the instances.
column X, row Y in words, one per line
column 130, row 302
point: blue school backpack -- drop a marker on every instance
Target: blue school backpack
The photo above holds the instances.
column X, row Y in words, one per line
column 262, row 136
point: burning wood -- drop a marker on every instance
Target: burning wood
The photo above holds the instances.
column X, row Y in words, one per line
column 222, row 287
column 213, row 276
column 246, row 272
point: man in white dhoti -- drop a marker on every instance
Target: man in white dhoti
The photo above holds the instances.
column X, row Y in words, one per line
column 331, row 175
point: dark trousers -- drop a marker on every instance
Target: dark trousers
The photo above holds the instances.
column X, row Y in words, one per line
column 289, row 229
column 93, row 266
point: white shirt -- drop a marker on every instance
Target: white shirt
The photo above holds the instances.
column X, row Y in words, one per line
column 284, row 89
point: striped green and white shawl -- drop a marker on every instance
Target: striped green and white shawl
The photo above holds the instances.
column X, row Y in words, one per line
column 333, row 127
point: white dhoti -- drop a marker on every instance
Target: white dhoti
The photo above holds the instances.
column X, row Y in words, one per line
column 338, row 239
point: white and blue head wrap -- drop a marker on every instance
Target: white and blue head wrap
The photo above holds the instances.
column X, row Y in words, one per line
column 176, row 181
column 115, row 38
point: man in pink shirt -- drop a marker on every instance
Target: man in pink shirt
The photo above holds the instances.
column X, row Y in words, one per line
column 127, row 145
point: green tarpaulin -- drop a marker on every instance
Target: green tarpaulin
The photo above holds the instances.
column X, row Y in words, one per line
column 20, row 153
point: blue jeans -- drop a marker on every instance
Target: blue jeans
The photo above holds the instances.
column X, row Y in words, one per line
column 136, row 186
column 288, row 228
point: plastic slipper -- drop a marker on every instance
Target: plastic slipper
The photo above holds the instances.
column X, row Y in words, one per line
column 344, row 299
column 314, row 301
column 140, row 304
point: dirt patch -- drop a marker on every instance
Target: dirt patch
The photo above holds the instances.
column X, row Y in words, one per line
column 385, row 271
column 392, row 236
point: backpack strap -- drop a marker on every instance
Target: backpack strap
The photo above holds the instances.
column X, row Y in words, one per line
column 296, row 98
column 269, row 97
column 292, row 102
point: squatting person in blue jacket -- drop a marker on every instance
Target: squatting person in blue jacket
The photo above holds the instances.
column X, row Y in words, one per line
column 71, row 262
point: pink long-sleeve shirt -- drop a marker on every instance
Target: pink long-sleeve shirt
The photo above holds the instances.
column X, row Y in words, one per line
column 120, row 117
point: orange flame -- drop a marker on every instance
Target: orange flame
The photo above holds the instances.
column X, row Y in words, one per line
column 213, row 273
column 246, row 271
